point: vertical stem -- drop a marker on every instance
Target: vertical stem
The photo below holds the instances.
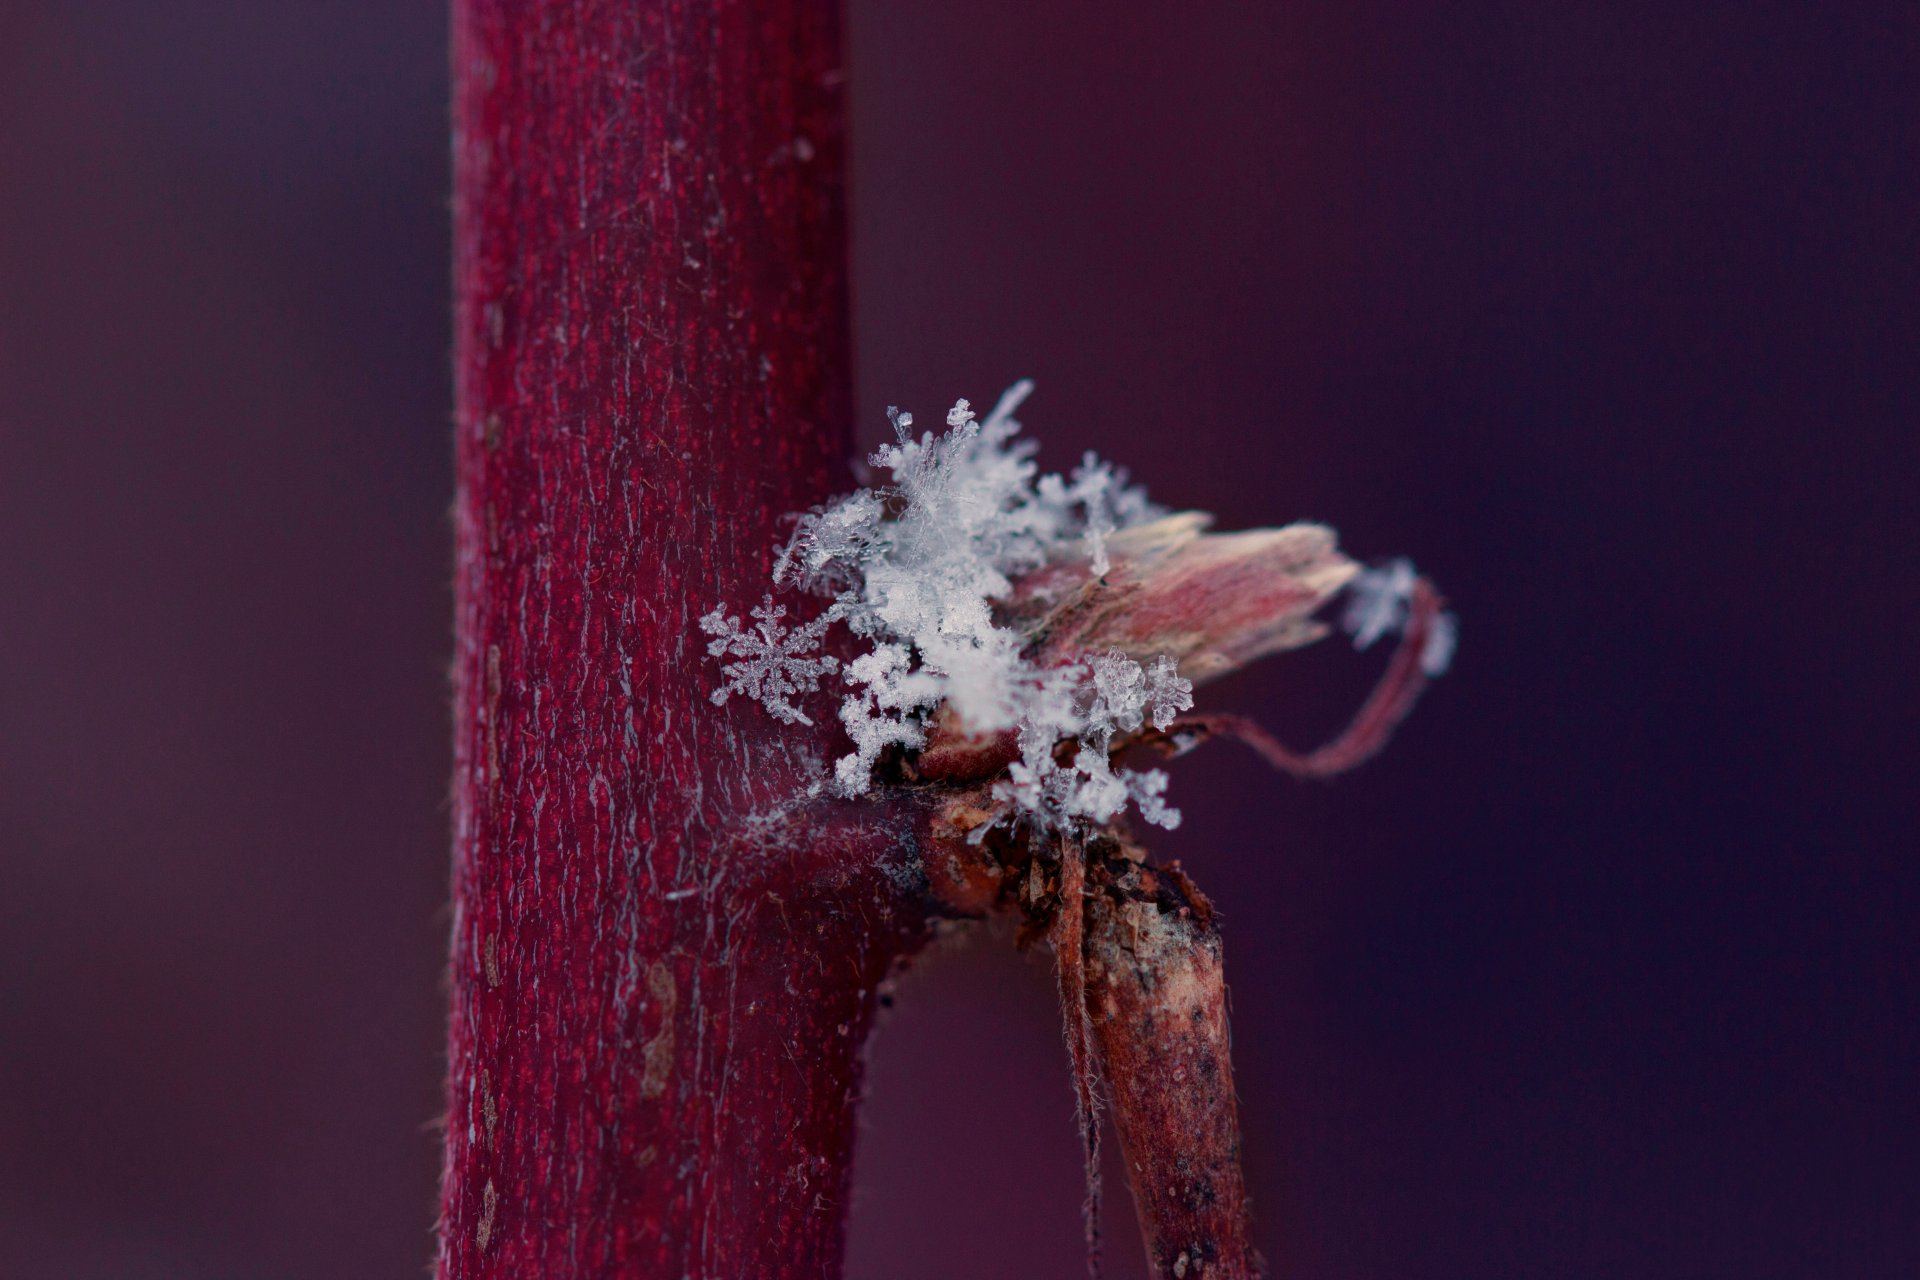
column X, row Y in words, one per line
column 660, row 973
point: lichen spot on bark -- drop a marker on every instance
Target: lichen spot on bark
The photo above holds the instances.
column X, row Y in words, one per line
column 658, row 1053
column 489, row 1201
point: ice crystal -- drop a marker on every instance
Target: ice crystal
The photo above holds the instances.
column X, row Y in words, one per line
column 1377, row 602
column 773, row 662
column 889, row 710
column 1380, row 602
column 1436, row 655
column 1167, row 694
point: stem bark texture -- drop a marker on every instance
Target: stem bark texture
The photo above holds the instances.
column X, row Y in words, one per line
column 661, row 973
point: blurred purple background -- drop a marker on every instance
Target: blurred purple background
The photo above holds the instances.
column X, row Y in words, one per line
column 1607, row 313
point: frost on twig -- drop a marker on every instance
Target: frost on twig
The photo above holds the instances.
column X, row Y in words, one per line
column 1027, row 627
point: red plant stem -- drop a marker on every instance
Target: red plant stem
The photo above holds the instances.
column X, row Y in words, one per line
column 661, row 973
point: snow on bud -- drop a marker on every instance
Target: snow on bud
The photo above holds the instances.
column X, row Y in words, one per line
column 1026, row 627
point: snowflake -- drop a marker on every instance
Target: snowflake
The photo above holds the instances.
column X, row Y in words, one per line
column 773, row 663
column 1380, row 602
column 888, row 712
column 1167, row 694
column 1147, row 787
column 1377, row 602
column 1436, row 655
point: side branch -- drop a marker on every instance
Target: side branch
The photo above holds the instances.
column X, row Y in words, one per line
column 1144, row 1001
column 1157, row 994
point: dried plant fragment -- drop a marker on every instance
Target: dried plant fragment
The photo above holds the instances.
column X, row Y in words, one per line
column 1201, row 604
column 1212, row 601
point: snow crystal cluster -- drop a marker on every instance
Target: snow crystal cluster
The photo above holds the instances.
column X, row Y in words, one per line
column 913, row 567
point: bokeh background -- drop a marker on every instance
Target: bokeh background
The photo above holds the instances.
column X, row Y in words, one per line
column 1606, row 312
